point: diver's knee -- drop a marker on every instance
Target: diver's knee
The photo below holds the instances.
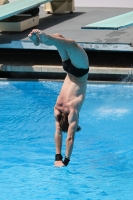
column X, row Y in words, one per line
column 58, row 35
column 73, row 43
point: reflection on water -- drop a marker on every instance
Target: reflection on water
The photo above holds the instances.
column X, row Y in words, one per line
column 101, row 166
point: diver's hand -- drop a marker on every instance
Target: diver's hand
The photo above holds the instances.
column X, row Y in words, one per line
column 59, row 163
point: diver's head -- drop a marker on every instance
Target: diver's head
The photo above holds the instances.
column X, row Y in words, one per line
column 62, row 118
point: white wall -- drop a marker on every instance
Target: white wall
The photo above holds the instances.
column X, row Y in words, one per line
column 104, row 3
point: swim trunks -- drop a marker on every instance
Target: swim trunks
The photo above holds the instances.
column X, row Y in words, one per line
column 77, row 72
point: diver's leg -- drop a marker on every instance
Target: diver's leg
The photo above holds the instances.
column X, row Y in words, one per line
column 63, row 53
column 66, row 47
column 76, row 54
column 36, row 40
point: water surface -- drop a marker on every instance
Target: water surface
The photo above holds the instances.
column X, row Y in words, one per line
column 101, row 166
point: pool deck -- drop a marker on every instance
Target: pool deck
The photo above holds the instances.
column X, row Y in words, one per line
column 69, row 25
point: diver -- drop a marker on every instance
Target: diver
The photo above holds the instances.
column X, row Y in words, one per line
column 70, row 100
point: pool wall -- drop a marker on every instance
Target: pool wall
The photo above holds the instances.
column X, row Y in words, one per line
column 44, row 64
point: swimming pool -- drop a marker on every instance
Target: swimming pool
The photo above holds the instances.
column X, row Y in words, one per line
column 101, row 166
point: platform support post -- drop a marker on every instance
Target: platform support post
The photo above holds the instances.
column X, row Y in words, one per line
column 59, row 6
column 2, row 2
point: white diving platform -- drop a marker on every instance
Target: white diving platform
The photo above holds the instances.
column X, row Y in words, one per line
column 115, row 23
column 20, row 15
column 19, row 6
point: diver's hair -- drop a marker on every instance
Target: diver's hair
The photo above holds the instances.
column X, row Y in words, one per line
column 62, row 118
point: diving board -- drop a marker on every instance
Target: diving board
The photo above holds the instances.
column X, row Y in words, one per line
column 19, row 6
column 115, row 23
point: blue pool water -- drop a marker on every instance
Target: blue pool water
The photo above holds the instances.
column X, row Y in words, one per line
column 101, row 166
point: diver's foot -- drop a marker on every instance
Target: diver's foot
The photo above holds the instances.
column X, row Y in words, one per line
column 34, row 38
column 42, row 36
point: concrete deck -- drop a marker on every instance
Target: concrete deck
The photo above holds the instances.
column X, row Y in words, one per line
column 70, row 25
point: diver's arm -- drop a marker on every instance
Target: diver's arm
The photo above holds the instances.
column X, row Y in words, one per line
column 73, row 123
column 58, row 142
column 70, row 139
